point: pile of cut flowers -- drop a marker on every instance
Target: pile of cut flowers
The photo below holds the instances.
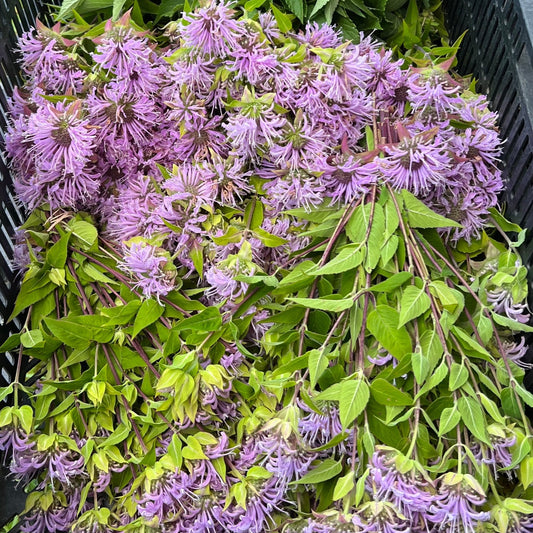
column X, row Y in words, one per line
column 267, row 285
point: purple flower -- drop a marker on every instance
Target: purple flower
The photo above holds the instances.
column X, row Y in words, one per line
column 415, row 164
column 318, row 429
column 136, row 211
column 252, row 60
column 347, row 177
column 380, row 517
column 200, row 139
column 63, row 145
column 475, row 109
column 499, row 455
column 297, row 189
column 222, row 284
column 166, row 495
column 454, row 507
column 266, row 498
column 122, row 118
column 121, row 51
column 320, row 36
column 347, row 71
column 231, row 178
column 269, row 25
column 503, row 303
column 254, row 127
column 279, row 452
column 195, row 71
column 152, row 267
column 232, row 359
column 192, row 184
column 54, row 518
column 212, row 29
column 411, row 491
column 186, row 107
column 300, row 144
column 516, row 351
column 435, row 94
column 386, row 76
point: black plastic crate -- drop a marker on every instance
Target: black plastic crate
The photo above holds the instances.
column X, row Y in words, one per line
column 497, row 50
column 16, row 17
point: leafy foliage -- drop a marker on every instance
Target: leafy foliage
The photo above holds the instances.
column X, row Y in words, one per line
column 405, row 24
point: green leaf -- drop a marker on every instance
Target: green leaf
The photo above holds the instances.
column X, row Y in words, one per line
column 196, row 252
column 79, row 331
column 510, row 404
column 207, row 320
column 511, row 324
column 85, row 232
column 337, row 439
column 118, row 5
column 473, row 418
column 253, row 4
column 294, row 364
column 349, row 29
column 520, row 506
column 348, row 258
column 386, row 393
column 149, row 312
column 318, row 362
column 445, row 294
column 25, row 416
column 431, row 347
column 57, row 254
column 31, row 338
column 121, row 314
column 284, row 22
column 167, row 9
column 5, row 392
column 414, row 302
column 458, row 376
column 318, row 6
column 31, row 292
column 193, row 450
column 420, row 215
column 121, row 432
column 390, row 248
column 12, row 342
column 268, row 239
column 360, row 487
column 58, row 276
column 392, row 283
column 420, row 365
column 376, row 239
column 66, row 8
column 526, row 396
column 353, row 397
column 504, row 224
column 470, row 344
column 344, row 485
column 449, row 419
column 383, row 324
column 297, row 7
column 492, row 409
column 435, row 379
column 327, row 469
column 333, row 305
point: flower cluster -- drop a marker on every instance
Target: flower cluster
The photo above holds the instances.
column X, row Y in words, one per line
column 234, row 111
column 230, row 170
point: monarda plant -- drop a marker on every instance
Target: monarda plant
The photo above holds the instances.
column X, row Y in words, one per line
column 267, row 288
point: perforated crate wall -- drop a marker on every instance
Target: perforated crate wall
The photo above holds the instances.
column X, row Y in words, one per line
column 16, row 17
column 498, row 51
